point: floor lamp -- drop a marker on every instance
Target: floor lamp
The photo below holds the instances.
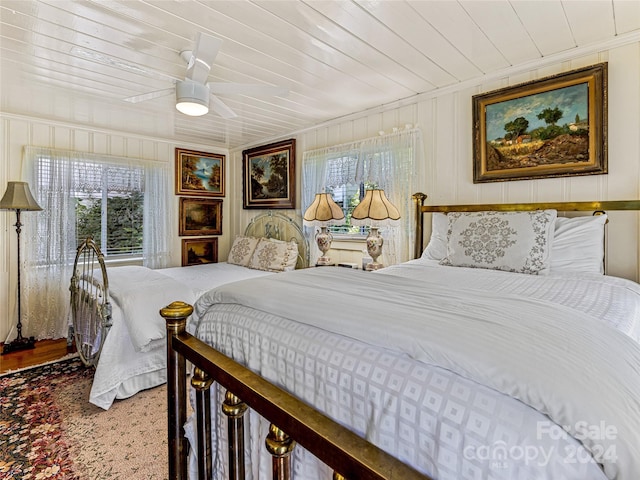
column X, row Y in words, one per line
column 18, row 197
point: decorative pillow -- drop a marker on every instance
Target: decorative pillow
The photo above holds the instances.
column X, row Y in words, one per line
column 274, row 255
column 512, row 241
column 437, row 247
column 578, row 244
column 242, row 249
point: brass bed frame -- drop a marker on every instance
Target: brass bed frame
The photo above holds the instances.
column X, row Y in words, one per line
column 350, row 456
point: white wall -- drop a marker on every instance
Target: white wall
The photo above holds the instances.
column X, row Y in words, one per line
column 446, row 173
column 17, row 131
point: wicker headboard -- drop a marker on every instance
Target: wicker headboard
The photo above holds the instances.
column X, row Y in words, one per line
column 421, row 208
column 278, row 226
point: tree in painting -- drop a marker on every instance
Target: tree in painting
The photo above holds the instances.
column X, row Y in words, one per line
column 269, row 176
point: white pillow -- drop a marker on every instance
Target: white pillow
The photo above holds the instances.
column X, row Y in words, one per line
column 578, row 244
column 437, row 247
column 242, row 250
column 274, row 255
column 511, row 241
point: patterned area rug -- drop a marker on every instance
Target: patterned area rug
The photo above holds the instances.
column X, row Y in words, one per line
column 49, row 430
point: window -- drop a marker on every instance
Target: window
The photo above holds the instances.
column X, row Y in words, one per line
column 348, row 196
column 107, row 202
column 123, row 202
column 389, row 162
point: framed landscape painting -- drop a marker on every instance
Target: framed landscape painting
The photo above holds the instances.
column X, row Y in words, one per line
column 269, row 176
column 200, row 216
column 553, row 127
column 199, row 251
column 199, row 173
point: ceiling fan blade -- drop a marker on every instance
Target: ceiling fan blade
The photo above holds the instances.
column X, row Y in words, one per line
column 247, row 89
column 202, row 57
column 151, row 95
column 221, row 109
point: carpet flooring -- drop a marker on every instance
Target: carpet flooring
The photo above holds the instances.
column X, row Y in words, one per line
column 49, row 430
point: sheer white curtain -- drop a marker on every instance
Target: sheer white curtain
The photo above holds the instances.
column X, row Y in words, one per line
column 50, row 239
column 388, row 161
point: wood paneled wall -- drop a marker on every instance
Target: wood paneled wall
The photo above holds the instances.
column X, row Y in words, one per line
column 16, row 132
column 445, row 171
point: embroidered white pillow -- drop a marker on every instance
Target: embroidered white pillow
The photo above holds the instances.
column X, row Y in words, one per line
column 511, row 241
column 437, row 247
column 274, row 255
column 242, row 250
column 578, row 244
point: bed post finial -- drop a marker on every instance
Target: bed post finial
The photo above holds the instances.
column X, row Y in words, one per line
column 176, row 316
column 418, row 199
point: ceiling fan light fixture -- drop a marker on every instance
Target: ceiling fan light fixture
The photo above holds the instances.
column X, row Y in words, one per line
column 192, row 98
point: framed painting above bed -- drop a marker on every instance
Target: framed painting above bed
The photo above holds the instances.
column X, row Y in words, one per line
column 199, row 251
column 200, row 216
column 553, row 127
column 269, row 176
column 199, row 173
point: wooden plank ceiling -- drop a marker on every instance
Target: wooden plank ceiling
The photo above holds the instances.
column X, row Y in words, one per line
column 77, row 61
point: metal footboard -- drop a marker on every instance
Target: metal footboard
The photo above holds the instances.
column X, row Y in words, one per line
column 292, row 421
column 90, row 307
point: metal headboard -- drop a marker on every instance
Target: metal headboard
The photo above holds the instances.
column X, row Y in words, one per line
column 419, row 198
column 90, row 307
column 279, row 226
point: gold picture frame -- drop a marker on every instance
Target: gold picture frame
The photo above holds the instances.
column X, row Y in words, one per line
column 552, row 127
column 269, row 176
column 199, row 251
column 200, row 216
column 199, row 173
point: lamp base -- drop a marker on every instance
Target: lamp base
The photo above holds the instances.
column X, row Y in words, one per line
column 374, row 248
column 324, row 238
column 22, row 343
column 325, row 261
column 372, row 266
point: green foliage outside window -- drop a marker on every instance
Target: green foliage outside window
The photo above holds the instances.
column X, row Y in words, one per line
column 349, row 197
column 124, row 221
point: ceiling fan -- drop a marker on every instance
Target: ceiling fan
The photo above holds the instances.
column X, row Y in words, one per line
column 194, row 94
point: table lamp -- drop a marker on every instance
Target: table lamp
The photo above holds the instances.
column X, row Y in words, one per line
column 375, row 210
column 322, row 212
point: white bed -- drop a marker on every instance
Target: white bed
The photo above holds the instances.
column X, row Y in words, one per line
column 459, row 372
column 124, row 369
column 130, row 353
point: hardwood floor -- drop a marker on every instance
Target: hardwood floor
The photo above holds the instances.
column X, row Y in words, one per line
column 45, row 351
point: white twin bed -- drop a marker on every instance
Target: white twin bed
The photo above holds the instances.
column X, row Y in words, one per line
column 116, row 323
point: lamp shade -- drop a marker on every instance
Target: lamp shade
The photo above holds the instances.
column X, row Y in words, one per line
column 323, row 211
column 192, row 98
column 375, row 209
column 18, row 197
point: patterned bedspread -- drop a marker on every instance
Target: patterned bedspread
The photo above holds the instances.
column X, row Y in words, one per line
column 439, row 416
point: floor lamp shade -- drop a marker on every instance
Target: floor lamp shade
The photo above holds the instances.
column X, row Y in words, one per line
column 322, row 212
column 18, row 197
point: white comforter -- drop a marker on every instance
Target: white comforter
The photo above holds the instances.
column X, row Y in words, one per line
column 544, row 349
column 133, row 357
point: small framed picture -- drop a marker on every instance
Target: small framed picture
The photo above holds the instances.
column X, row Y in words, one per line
column 199, row 173
column 200, row 216
column 269, row 176
column 199, row 251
